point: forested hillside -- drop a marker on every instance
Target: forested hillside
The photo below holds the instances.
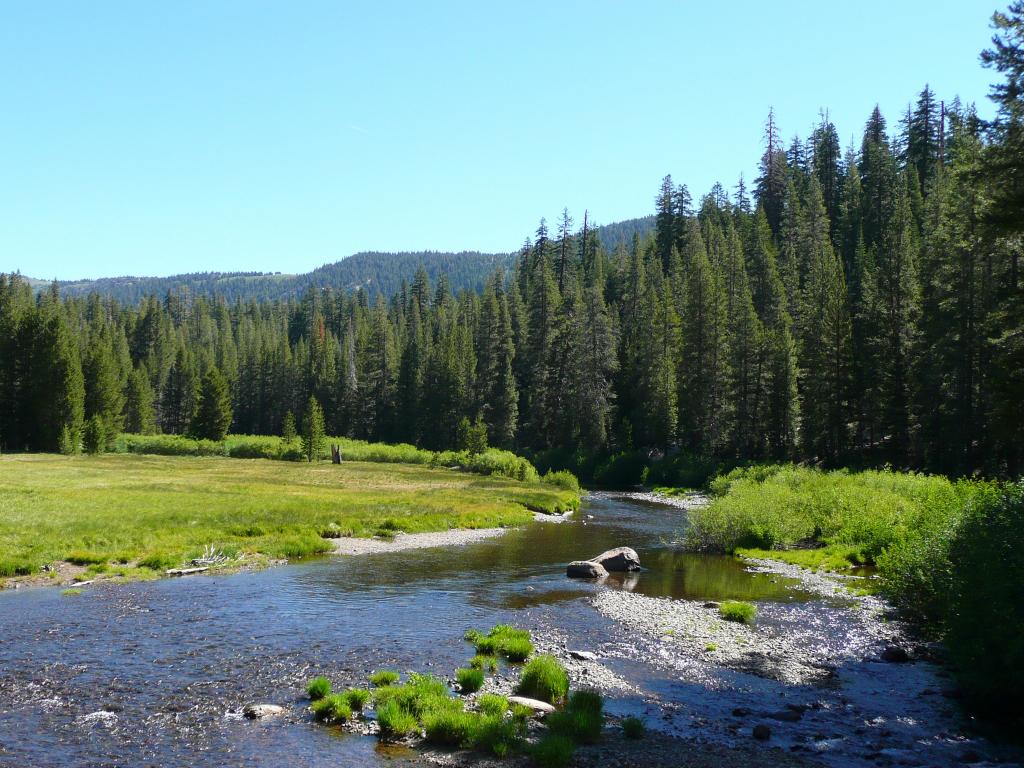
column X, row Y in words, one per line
column 857, row 306
column 374, row 272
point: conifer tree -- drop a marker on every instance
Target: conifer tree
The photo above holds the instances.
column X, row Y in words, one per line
column 213, row 412
column 139, row 411
column 313, row 433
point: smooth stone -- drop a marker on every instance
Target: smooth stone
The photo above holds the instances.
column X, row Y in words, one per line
column 583, row 655
column 619, row 560
column 539, row 707
column 786, row 715
column 258, row 711
column 762, row 732
column 585, row 569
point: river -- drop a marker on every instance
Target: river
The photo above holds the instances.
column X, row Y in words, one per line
column 153, row 673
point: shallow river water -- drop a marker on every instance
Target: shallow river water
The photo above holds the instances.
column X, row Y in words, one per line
column 151, row 673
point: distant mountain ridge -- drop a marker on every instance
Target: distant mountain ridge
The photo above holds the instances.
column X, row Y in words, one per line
column 373, row 271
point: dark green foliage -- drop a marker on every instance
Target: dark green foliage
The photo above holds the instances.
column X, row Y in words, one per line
column 544, row 678
column 288, row 431
column 318, row 688
column 94, row 436
column 553, row 751
column 139, row 408
column 313, row 434
column 633, row 728
column 986, row 607
column 213, row 413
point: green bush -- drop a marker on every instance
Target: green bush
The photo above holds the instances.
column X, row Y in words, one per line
column 394, row 721
column 470, row 680
column 544, row 678
column 492, row 704
column 357, row 697
column 734, row 610
column 562, row 479
column 384, row 678
column 986, row 604
column 332, row 709
column 318, row 688
column 633, row 728
column 553, row 751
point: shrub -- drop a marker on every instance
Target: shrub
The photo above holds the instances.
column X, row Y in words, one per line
column 544, row 678
column 622, row 470
column 357, row 697
column 553, row 751
column 733, row 610
column 332, row 709
column 470, row 680
column 485, row 663
column 633, row 728
column 394, row 721
column 384, row 677
column 318, row 688
column 986, row 613
column 492, row 704
column 562, row 479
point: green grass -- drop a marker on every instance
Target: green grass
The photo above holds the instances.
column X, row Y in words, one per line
column 740, row 612
column 73, row 592
column 470, row 680
column 159, row 512
column 384, row 678
column 357, row 697
column 333, row 708
column 514, row 644
column 544, row 678
column 318, row 688
column 484, row 663
column 582, row 718
column 830, row 557
column 633, row 728
column 492, row 704
column 553, row 751
column 496, row 734
column 395, row 722
column 449, row 726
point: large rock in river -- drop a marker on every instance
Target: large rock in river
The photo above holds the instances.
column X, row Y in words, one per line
column 585, row 569
column 618, row 560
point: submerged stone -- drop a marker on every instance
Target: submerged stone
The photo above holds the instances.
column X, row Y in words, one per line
column 585, row 569
column 258, row 711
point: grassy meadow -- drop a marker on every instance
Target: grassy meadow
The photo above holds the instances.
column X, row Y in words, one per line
column 135, row 516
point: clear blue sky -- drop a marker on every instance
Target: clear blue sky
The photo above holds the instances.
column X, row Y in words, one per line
column 156, row 138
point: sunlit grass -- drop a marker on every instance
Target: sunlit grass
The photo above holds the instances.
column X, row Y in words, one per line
column 158, row 512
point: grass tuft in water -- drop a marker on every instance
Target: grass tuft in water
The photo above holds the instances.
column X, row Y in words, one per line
column 544, row 678
column 394, row 721
column 318, row 688
column 733, row 610
column 357, row 697
column 484, row 663
column 73, row 592
column 384, row 678
column 332, row 709
column 514, row 644
column 470, row 680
